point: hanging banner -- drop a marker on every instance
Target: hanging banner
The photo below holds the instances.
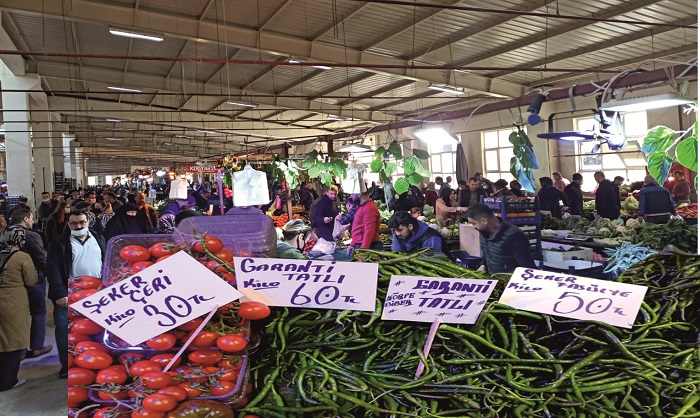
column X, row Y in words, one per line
column 201, row 168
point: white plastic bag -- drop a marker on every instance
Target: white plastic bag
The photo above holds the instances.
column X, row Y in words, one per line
column 250, row 187
column 353, row 182
column 323, row 247
column 339, row 228
column 178, row 189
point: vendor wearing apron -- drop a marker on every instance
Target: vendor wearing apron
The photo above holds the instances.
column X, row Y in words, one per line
column 655, row 202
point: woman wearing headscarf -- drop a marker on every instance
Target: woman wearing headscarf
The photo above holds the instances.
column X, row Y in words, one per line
column 445, row 209
column 16, row 273
column 124, row 222
column 56, row 223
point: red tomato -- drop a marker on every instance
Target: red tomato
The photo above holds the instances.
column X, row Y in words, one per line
column 77, row 395
column 87, row 282
column 215, row 266
column 213, row 244
column 74, row 338
column 80, row 295
column 162, row 342
column 140, row 265
column 231, row 363
column 135, row 253
column 253, row 310
column 160, row 402
column 164, row 359
column 191, row 392
column 144, row 366
column 205, row 357
column 85, row 326
column 116, row 375
column 191, row 325
column 240, row 404
column 90, row 345
column 130, row 358
column 243, row 253
column 71, row 361
column 231, row 343
column 224, row 387
column 205, row 339
column 225, row 254
column 93, row 359
column 80, row 376
column 156, row 380
column 111, row 412
column 176, row 392
column 110, row 396
column 162, row 249
column 228, row 276
column 147, row 413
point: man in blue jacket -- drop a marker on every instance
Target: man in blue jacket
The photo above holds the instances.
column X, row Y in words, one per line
column 655, row 202
column 411, row 235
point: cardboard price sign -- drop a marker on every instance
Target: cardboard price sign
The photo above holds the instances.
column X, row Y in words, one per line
column 157, row 299
column 574, row 296
column 422, row 299
column 308, row 283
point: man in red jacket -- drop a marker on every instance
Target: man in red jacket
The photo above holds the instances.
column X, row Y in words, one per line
column 365, row 226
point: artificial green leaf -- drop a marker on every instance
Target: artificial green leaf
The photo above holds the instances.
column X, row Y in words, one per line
column 339, row 165
column 379, row 153
column 687, row 153
column 327, row 179
column 308, row 162
column 514, row 138
column 313, row 154
column 314, row 172
column 323, row 166
column 409, row 165
column 659, row 166
column 395, row 150
column 515, row 166
column 524, row 138
column 422, row 170
column 415, row 179
column 383, row 177
column 401, row 186
column 375, row 166
column 421, row 154
column 390, row 168
column 658, row 138
column 526, row 180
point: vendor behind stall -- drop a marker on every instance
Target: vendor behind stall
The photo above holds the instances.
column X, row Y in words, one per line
column 411, row 235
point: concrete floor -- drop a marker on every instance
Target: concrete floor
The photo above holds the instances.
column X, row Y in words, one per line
column 44, row 394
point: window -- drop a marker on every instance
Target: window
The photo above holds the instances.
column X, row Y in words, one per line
column 628, row 162
column 443, row 160
column 497, row 154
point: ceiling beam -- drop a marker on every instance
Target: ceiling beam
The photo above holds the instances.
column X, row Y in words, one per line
column 275, row 14
column 350, row 13
column 622, row 8
column 103, row 76
column 274, row 43
column 597, row 47
column 15, row 63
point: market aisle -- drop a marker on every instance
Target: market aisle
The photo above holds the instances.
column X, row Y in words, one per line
column 44, row 393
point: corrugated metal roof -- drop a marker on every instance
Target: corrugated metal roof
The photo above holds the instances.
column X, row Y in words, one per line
column 305, row 19
column 244, row 13
column 40, row 34
column 189, row 8
column 170, row 47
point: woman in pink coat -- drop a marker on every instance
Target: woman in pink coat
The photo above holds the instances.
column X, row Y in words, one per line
column 365, row 226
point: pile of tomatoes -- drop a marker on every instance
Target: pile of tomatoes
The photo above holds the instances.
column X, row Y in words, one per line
column 133, row 381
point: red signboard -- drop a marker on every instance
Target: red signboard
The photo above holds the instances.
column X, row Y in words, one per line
column 202, row 169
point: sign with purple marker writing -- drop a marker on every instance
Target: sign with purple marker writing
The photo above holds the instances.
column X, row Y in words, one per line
column 574, row 296
column 157, row 299
column 422, row 299
column 308, row 283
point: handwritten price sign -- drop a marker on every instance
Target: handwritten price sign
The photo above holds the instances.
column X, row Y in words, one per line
column 308, row 284
column 422, row 299
column 574, row 297
column 157, row 299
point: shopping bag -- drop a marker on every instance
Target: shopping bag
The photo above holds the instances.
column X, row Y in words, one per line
column 323, row 247
column 353, row 182
column 339, row 228
column 250, row 187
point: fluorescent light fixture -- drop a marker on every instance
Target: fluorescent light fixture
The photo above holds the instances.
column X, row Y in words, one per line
column 323, row 67
column 446, row 89
column 435, row 135
column 113, row 120
column 645, row 103
column 242, row 104
column 568, row 136
column 131, row 34
column 291, row 61
column 160, row 173
column 334, row 117
column 206, row 132
column 184, row 136
column 354, row 148
column 114, row 139
column 124, row 89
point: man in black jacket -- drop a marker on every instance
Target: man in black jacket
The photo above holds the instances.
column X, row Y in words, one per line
column 575, row 195
column 470, row 193
column 79, row 252
column 504, row 247
column 607, row 197
column 550, row 197
column 34, row 246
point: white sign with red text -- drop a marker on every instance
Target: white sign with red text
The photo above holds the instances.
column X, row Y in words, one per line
column 157, row 299
column 574, row 296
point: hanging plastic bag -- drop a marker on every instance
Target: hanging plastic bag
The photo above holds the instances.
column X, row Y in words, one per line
column 353, row 182
column 250, row 188
column 178, row 189
column 339, row 228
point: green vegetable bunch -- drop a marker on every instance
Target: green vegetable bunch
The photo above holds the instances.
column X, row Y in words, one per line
column 676, row 232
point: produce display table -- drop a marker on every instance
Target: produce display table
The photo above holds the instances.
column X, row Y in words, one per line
column 586, row 244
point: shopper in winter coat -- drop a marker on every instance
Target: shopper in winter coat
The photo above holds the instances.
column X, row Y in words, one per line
column 607, row 197
column 516, row 188
column 559, row 181
column 16, row 273
column 575, row 195
column 500, row 188
column 56, row 223
column 295, row 234
column 411, row 235
column 445, row 207
column 550, row 197
column 504, row 247
column 124, row 222
column 365, row 226
column 325, row 212
column 431, row 195
column 655, row 202
column 472, row 194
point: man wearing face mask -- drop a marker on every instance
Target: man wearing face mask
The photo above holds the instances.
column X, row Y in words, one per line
column 46, row 208
column 79, row 252
column 295, row 234
column 504, row 247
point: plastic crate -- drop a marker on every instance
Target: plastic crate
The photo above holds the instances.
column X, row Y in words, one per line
column 230, row 398
column 114, row 263
column 465, row 260
column 243, row 231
